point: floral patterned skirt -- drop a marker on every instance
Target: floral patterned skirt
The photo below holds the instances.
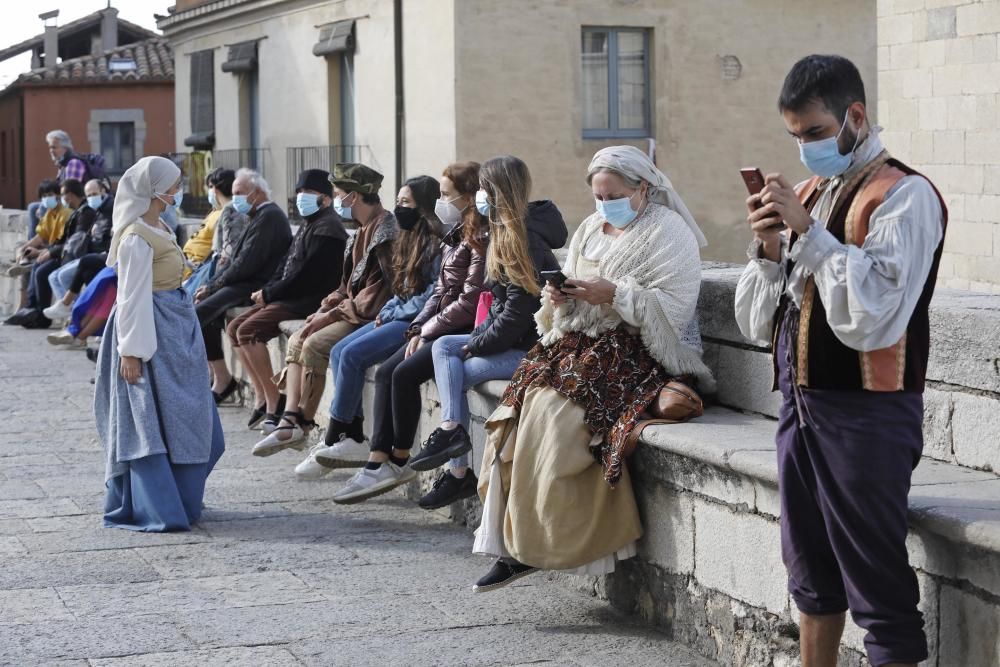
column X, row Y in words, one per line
column 612, row 377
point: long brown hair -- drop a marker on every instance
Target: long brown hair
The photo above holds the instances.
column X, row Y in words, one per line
column 507, row 183
column 465, row 177
column 412, row 249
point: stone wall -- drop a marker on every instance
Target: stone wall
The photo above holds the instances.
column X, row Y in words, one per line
column 13, row 232
column 938, row 68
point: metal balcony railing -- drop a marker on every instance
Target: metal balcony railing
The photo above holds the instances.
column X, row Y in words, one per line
column 234, row 158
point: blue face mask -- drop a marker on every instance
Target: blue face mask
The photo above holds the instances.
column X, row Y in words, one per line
column 824, row 158
column 241, row 205
column 50, row 201
column 618, row 212
column 307, row 203
column 483, row 204
column 343, row 211
column 175, row 199
column 66, row 203
column 95, row 201
column 212, row 201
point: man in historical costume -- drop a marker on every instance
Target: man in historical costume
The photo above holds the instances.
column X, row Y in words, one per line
column 842, row 292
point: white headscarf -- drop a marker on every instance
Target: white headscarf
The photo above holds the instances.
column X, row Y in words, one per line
column 631, row 162
column 137, row 188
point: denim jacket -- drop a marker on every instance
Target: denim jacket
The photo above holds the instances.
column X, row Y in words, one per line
column 404, row 310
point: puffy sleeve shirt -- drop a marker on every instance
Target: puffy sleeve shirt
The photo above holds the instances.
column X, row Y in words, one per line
column 869, row 292
column 134, row 320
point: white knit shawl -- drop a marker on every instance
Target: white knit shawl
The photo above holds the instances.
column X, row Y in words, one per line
column 656, row 265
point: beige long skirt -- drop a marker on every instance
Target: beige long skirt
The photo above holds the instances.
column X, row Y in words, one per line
column 546, row 502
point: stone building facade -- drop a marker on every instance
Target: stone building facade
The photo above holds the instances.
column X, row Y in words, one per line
column 939, row 99
column 550, row 82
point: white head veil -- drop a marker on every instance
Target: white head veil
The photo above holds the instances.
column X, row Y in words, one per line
column 631, row 162
column 137, row 188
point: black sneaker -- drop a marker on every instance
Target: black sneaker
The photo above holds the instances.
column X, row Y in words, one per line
column 18, row 318
column 449, row 489
column 440, row 447
column 503, row 572
column 36, row 320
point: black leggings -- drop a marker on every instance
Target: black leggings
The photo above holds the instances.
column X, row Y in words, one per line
column 86, row 270
column 397, row 398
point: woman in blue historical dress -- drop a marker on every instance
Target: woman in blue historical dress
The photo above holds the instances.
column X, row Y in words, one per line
column 153, row 404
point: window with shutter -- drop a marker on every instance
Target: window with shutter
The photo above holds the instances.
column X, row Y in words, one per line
column 202, row 100
column 335, row 38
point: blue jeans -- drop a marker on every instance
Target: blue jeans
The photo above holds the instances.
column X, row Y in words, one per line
column 62, row 278
column 35, row 212
column 354, row 355
column 455, row 376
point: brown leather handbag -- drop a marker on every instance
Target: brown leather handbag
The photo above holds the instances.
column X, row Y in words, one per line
column 677, row 402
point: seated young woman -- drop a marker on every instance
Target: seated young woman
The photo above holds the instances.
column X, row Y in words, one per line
column 522, row 237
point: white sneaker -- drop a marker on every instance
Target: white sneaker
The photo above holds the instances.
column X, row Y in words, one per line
column 58, row 311
column 64, row 338
column 272, row 444
column 309, row 468
column 348, row 453
column 370, row 483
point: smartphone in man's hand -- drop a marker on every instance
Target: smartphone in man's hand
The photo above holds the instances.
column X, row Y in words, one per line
column 754, row 180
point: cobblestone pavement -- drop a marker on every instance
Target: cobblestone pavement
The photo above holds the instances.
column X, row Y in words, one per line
column 275, row 574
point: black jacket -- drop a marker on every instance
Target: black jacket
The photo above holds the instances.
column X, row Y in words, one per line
column 75, row 237
column 314, row 265
column 258, row 253
column 101, row 232
column 511, row 320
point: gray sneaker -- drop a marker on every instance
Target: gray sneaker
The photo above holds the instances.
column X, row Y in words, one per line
column 370, row 483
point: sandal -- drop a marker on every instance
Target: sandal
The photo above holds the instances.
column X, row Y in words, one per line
column 256, row 416
column 272, row 419
column 227, row 392
column 297, row 426
column 270, row 423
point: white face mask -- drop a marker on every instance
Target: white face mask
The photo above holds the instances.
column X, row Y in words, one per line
column 447, row 212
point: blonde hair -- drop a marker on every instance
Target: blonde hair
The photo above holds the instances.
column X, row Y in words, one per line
column 507, row 183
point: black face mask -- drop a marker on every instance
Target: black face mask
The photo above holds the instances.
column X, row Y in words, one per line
column 406, row 218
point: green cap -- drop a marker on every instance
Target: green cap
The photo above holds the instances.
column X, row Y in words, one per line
column 355, row 177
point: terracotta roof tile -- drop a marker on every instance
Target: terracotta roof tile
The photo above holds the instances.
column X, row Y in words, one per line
column 153, row 61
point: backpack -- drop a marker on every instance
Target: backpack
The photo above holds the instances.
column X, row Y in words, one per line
column 94, row 162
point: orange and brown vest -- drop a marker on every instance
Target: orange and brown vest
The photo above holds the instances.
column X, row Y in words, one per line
column 822, row 361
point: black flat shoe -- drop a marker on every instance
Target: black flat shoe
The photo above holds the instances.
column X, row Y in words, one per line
column 92, row 354
column 503, row 572
column 227, row 392
column 256, row 417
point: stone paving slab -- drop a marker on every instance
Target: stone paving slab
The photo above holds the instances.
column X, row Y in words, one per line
column 275, row 574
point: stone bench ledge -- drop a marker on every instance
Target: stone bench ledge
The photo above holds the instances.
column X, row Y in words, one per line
column 959, row 504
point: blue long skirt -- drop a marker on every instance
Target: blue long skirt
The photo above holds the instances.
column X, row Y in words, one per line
column 155, row 495
column 162, row 436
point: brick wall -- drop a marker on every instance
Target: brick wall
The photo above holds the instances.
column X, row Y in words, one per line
column 938, row 80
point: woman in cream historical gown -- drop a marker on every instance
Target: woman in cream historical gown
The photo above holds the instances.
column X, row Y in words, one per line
column 556, row 490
